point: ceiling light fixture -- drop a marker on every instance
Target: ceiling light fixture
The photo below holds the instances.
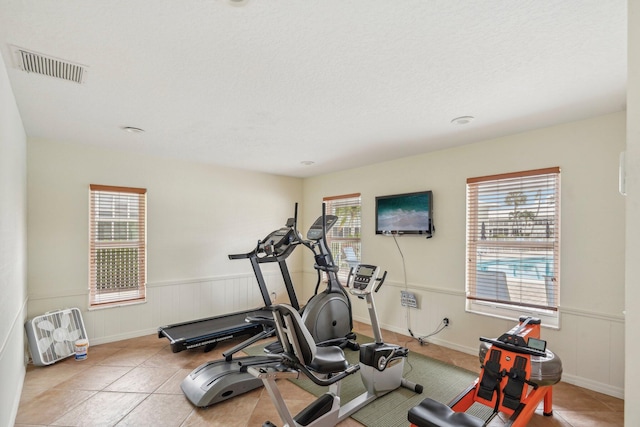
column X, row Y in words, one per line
column 132, row 129
column 307, row 162
column 462, row 120
column 238, row 3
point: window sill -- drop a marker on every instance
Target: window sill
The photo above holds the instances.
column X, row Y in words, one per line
column 550, row 319
column 116, row 304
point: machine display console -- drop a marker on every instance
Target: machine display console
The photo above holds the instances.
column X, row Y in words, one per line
column 364, row 279
column 315, row 232
column 537, row 344
column 277, row 241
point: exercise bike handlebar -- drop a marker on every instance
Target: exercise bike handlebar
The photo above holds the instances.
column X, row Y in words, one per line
column 228, row 355
column 351, row 369
column 380, row 281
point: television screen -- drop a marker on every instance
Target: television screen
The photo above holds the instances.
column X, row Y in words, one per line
column 410, row 213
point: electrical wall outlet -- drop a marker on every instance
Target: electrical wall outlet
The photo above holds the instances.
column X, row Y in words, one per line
column 408, row 299
column 445, row 321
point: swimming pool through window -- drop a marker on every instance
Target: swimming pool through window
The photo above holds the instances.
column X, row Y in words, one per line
column 513, row 240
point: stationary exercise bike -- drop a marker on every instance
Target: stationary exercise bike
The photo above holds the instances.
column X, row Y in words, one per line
column 518, row 373
column 381, row 365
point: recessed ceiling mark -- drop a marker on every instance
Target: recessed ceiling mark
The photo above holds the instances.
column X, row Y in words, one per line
column 238, row 3
column 132, row 129
column 462, row 120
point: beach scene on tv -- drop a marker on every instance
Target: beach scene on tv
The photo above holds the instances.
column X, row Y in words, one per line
column 404, row 213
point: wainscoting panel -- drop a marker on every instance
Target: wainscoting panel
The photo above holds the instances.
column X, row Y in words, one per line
column 591, row 345
column 167, row 303
column 12, row 366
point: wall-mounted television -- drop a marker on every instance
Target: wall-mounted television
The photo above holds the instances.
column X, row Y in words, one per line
column 409, row 213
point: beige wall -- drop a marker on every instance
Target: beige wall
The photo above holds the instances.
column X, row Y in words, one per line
column 13, row 255
column 592, row 261
column 186, row 263
column 632, row 299
column 197, row 215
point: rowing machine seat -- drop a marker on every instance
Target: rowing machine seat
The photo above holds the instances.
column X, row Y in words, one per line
column 430, row 413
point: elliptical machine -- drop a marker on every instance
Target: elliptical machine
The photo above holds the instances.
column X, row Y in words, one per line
column 219, row 380
column 328, row 314
column 381, row 365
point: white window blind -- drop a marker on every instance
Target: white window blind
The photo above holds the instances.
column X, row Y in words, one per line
column 344, row 237
column 513, row 239
column 117, row 245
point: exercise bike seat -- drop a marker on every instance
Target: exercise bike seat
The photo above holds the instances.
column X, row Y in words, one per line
column 328, row 360
column 298, row 342
column 430, row 413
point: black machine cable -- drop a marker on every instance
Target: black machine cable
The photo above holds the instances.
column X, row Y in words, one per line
column 406, row 287
column 440, row 327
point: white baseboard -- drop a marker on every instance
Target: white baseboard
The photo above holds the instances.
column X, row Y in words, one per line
column 124, row 336
column 594, row 385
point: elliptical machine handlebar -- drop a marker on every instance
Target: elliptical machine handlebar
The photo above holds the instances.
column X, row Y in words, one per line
column 317, row 238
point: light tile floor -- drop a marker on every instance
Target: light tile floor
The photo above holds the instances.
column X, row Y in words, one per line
column 136, row 382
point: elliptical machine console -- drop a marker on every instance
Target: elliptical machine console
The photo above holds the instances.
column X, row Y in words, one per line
column 316, row 232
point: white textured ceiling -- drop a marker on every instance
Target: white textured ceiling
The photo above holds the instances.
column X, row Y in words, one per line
column 342, row 83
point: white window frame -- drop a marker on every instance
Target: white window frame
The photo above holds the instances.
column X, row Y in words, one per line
column 513, row 250
column 117, row 228
column 346, row 233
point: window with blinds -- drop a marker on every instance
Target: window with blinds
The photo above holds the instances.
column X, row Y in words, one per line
column 513, row 239
column 117, row 245
column 344, row 237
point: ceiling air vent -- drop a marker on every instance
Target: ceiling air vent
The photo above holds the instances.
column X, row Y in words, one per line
column 33, row 62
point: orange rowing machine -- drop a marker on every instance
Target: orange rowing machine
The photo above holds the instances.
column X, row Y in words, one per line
column 517, row 373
